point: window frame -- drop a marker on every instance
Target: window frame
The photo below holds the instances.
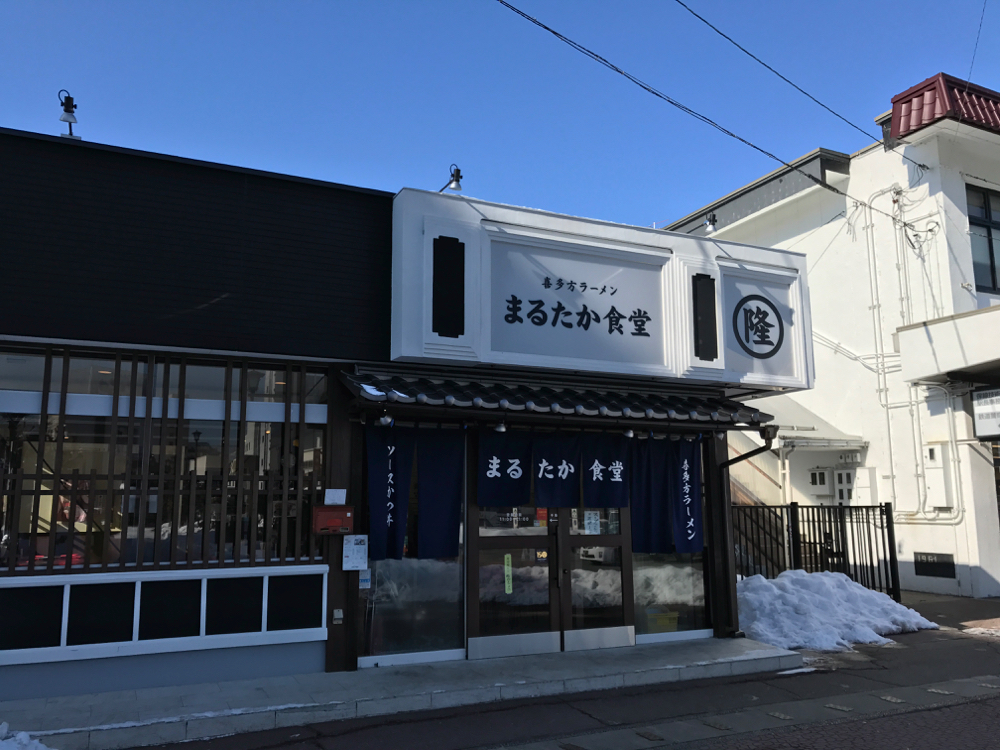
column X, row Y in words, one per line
column 990, row 222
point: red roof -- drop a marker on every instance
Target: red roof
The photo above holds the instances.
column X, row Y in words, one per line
column 943, row 96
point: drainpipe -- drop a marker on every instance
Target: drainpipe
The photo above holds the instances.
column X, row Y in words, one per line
column 882, row 380
column 768, row 433
column 786, row 473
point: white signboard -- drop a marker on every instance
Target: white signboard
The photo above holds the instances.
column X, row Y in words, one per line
column 355, row 552
column 758, row 324
column 481, row 283
column 365, row 579
column 986, row 413
column 576, row 305
column 592, row 522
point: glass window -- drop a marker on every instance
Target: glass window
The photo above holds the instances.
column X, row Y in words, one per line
column 207, row 382
column 90, row 376
column 981, row 266
column 669, row 593
column 977, row 203
column 97, row 376
column 984, row 231
column 597, row 588
column 513, row 591
column 526, row 520
column 994, row 207
column 595, row 521
column 270, row 385
column 21, row 372
column 413, row 605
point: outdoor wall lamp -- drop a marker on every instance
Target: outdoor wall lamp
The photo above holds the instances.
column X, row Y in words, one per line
column 710, row 222
column 501, row 427
column 67, row 116
column 456, row 180
column 385, row 420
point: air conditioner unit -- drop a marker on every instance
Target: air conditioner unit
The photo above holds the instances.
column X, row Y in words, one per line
column 852, row 458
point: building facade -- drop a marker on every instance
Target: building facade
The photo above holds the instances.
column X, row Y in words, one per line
column 901, row 240
column 259, row 425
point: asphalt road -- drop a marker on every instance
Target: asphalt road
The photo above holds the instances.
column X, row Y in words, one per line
column 970, row 726
column 559, row 723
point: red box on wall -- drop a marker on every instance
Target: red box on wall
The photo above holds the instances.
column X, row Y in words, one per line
column 333, row 519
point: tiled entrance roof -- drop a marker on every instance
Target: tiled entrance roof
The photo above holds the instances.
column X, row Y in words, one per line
column 551, row 400
column 943, row 96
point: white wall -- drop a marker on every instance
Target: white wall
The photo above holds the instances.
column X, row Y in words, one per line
column 868, row 276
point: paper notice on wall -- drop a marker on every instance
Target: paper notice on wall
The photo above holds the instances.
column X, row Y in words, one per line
column 335, row 497
column 355, row 551
column 508, row 576
column 365, row 579
column 592, row 522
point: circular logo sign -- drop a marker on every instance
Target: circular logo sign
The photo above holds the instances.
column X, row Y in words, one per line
column 758, row 326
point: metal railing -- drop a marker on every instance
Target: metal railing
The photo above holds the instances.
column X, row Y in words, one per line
column 856, row 540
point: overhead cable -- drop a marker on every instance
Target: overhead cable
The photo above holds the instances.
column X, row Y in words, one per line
column 975, row 48
column 794, row 85
column 697, row 115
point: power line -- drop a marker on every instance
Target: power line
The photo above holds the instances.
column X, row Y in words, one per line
column 975, row 48
column 687, row 110
column 794, row 85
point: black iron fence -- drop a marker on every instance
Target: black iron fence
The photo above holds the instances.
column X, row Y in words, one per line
column 856, row 540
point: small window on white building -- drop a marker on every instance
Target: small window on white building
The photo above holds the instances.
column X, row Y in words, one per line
column 984, row 231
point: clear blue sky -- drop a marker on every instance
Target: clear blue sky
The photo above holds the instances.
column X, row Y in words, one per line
column 388, row 94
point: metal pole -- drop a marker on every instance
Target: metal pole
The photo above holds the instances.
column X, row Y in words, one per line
column 895, row 593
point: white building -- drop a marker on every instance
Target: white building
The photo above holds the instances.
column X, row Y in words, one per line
column 901, row 241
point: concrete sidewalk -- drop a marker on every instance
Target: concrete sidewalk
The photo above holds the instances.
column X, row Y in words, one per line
column 918, row 680
column 134, row 718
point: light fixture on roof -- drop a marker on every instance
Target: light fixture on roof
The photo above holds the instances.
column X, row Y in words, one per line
column 67, row 116
column 501, row 427
column 710, row 222
column 629, row 433
column 385, row 420
column 456, row 180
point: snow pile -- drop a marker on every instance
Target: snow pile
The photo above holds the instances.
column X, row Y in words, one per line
column 18, row 741
column 820, row 611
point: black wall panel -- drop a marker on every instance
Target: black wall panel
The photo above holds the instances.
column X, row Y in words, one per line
column 169, row 609
column 104, row 244
column 30, row 617
column 100, row 613
column 294, row 602
column 234, row 605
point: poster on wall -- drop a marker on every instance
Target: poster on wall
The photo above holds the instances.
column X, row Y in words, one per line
column 355, row 552
column 986, row 412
